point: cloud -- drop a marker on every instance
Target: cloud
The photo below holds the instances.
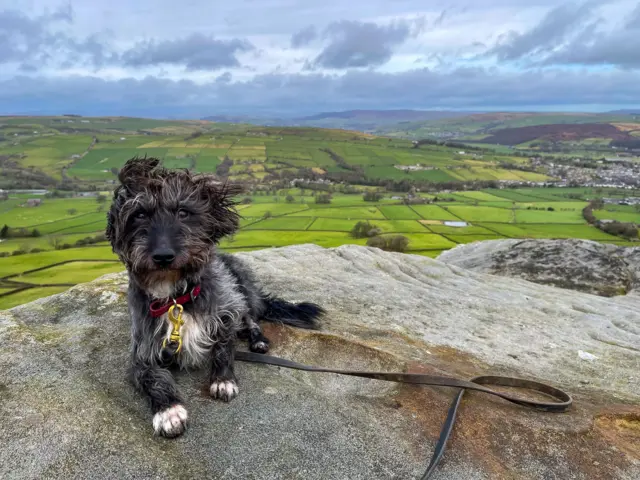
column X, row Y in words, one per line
column 361, row 44
column 296, row 94
column 556, row 27
column 37, row 41
column 304, row 37
column 196, row 52
column 618, row 47
column 24, row 38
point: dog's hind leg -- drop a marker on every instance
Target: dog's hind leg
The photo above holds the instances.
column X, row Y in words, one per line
column 257, row 341
column 223, row 380
column 158, row 385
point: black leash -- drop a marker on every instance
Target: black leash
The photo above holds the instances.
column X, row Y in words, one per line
column 562, row 405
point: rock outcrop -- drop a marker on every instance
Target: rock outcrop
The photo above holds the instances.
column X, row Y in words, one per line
column 68, row 412
column 583, row 265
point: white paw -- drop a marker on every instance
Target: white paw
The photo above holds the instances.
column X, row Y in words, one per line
column 225, row 390
column 260, row 347
column 170, row 422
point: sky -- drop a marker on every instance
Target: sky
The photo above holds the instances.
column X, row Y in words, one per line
column 194, row 58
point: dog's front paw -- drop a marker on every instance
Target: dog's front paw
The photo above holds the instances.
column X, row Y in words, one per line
column 225, row 390
column 170, row 422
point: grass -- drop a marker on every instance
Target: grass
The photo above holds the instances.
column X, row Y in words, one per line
column 628, row 217
column 76, row 272
column 258, row 238
column 363, row 213
column 262, row 151
column 479, row 214
column 275, row 208
column 586, row 232
column 75, row 224
column 43, row 243
column 387, row 226
column 51, row 210
column 398, row 212
column 281, row 223
column 546, row 217
column 514, row 196
column 29, row 261
column 422, row 241
column 480, row 196
column 471, row 230
column 434, row 212
column 473, row 238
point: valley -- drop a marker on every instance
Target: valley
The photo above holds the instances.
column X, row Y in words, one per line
column 302, row 185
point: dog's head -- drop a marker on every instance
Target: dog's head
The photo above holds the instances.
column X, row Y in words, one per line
column 164, row 224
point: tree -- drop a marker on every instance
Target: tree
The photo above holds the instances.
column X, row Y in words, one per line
column 392, row 243
column 4, row 233
column 55, row 241
column 35, row 232
column 398, row 243
column 115, row 171
column 267, row 214
column 372, row 196
column 323, row 198
column 290, row 199
column 72, row 211
column 246, row 200
column 101, row 198
column 364, row 229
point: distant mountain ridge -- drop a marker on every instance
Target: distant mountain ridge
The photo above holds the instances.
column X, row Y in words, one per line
column 395, row 115
column 364, row 120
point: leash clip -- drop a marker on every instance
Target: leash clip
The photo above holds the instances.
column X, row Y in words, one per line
column 176, row 323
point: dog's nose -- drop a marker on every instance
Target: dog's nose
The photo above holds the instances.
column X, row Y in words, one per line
column 163, row 256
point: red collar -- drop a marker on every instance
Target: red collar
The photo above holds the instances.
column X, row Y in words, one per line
column 157, row 309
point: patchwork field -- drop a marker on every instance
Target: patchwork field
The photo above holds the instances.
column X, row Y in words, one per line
column 46, row 247
column 89, row 152
column 430, row 229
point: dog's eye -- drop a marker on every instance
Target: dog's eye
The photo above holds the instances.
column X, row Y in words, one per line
column 182, row 214
column 140, row 215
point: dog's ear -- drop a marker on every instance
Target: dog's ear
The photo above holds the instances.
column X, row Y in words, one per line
column 112, row 217
column 222, row 202
column 136, row 169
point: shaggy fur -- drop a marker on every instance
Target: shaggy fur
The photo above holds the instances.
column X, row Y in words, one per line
column 164, row 225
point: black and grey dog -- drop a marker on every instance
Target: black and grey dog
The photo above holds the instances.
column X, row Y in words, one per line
column 165, row 225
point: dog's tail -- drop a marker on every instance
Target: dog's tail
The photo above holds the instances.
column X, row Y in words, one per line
column 301, row 315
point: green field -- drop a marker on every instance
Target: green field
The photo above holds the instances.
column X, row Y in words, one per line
column 292, row 223
column 483, row 214
column 91, row 155
column 631, row 217
column 84, row 155
column 434, row 212
column 399, row 212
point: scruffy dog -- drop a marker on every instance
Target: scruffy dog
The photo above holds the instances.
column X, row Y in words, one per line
column 165, row 225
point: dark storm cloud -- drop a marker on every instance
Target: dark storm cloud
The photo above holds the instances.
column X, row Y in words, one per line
column 295, row 94
column 195, row 52
column 304, row 37
column 554, row 29
column 361, row 44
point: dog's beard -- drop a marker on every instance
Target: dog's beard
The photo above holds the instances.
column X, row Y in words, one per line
column 163, row 283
